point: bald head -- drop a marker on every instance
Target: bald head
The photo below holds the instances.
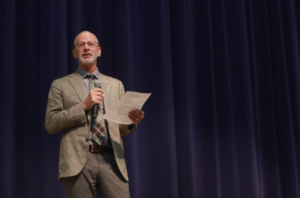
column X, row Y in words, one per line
column 85, row 34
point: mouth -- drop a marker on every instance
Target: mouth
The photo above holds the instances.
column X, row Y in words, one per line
column 86, row 55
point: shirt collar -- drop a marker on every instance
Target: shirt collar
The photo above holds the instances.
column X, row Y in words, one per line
column 83, row 73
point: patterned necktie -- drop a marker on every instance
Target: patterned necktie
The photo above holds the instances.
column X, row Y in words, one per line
column 98, row 126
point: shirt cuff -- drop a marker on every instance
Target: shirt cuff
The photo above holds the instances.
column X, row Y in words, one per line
column 131, row 126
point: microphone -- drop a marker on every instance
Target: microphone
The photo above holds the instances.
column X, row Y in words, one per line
column 95, row 108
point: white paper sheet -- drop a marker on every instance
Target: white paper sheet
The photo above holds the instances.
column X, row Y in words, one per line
column 129, row 101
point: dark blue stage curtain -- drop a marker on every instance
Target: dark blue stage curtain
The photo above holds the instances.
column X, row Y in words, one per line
column 223, row 119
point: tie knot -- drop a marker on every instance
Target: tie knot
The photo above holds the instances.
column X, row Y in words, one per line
column 90, row 76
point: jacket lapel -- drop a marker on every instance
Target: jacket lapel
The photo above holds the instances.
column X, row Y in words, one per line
column 105, row 88
column 76, row 81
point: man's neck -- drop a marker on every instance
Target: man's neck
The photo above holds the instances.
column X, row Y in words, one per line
column 88, row 68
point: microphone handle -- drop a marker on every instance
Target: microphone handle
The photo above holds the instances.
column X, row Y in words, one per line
column 95, row 111
column 96, row 106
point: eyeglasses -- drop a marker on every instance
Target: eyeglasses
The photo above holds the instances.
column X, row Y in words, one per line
column 89, row 44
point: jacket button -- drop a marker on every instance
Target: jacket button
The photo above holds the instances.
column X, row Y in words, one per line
column 86, row 140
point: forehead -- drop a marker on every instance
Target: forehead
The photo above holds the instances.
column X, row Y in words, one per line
column 86, row 36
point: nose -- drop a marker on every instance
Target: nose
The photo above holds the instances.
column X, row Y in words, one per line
column 86, row 46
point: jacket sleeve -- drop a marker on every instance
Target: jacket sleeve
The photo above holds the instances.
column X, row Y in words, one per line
column 57, row 118
column 125, row 129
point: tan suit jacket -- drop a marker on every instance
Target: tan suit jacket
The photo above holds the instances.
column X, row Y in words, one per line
column 65, row 112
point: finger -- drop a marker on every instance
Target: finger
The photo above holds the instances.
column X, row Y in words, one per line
column 98, row 94
column 133, row 119
column 139, row 111
column 97, row 100
column 133, row 115
column 136, row 117
column 98, row 90
column 136, row 114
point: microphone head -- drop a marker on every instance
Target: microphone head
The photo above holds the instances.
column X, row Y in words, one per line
column 97, row 83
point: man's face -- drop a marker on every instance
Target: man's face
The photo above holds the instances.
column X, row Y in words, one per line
column 86, row 49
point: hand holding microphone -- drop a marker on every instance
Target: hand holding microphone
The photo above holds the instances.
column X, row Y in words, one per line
column 94, row 98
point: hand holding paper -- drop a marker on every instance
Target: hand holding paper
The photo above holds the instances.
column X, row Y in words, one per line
column 129, row 101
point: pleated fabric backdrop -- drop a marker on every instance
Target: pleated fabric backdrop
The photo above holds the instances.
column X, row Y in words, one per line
column 223, row 117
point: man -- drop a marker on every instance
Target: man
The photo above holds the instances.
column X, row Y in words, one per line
column 91, row 151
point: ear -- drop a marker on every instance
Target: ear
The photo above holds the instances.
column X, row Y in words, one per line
column 99, row 52
column 74, row 53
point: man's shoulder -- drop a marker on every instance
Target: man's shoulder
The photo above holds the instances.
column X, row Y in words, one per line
column 64, row 79
column 109, row 79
